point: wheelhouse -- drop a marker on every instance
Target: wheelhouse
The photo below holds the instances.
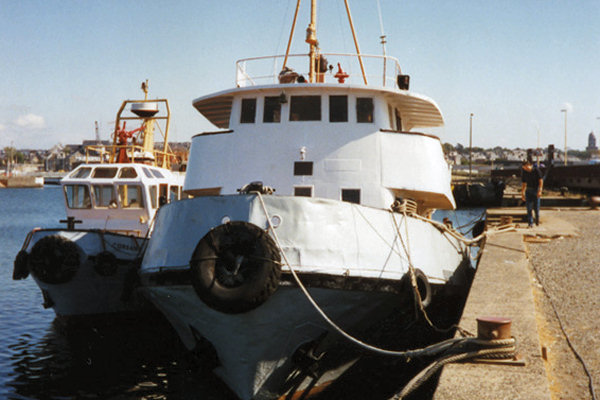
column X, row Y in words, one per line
column 103, row 196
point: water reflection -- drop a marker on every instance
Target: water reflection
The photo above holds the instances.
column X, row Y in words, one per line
column 133, row 360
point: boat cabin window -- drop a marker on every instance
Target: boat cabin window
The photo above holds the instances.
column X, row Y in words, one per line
column 351, row 195
column 81, row 173
column 303, row 168
column 248, row 111
column 104, row 196
column 78, row 196
column 147, row 172
column 157, row 173
column 272, row 109
column 303, row 191
column 364, row 109
column 127, row 172
column 163, row 194
column 104, row 172
column 153, row 196
column 338, row 108
column 131, row 196
column 175, row 193
column 305, row 108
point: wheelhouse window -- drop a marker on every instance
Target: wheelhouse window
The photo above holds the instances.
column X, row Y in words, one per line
column 153, row 196
column 351, row 195
column 104, row 196
column 302, row 168
column 303, row 191
column 364, row 109
column 272, row 109
column 131, row 196
column 157, row 173
column 127, row 172
column 338, row 108
column 147, row 172
column 248, row 111
column 175, row 193
column 104, row 172
column 163, row 194
column 81, row 173
column 78, row 196
column 305, row 108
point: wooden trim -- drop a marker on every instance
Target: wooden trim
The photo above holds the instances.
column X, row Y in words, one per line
column 213, row 133
column 410, row 133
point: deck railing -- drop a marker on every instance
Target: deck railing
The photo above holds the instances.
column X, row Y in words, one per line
column 109, row 154
column 379, row 70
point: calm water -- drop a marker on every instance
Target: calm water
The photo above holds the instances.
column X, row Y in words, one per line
column 41, row 360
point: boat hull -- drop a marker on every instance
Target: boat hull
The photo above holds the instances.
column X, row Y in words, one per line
column 100, row 283
column 352, row 259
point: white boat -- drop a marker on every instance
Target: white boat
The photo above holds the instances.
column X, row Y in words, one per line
column 89, row 268
column 311, row 217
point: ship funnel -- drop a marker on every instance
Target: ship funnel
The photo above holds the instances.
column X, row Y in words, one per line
column 144, row 110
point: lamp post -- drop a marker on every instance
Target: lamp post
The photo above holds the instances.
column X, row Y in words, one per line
column 565, row 111
column 470, row 144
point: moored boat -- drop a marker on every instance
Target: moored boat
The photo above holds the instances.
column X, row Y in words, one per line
column 310, row 222
column 89, row 268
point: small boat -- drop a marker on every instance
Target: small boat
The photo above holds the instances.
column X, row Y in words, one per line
column 89, row 268
column 310, row 222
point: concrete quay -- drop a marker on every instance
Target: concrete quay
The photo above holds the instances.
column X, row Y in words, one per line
column 503, row 287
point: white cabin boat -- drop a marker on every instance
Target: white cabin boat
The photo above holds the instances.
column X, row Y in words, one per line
column 315, row 197
column 90, row 267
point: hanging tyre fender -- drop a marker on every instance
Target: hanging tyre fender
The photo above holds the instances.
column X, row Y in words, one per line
column 54, row 259
column 235, row 267
column 106, row 263
column 422, row 284
column 20, row 265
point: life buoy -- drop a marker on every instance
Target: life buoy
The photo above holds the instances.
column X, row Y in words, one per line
column 235, row 267
column 20, row 267
column 54, row 259
column 422, row 285
column 106, row 263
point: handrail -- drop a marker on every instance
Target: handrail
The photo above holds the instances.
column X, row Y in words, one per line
column 131, row 149
column 270, row 71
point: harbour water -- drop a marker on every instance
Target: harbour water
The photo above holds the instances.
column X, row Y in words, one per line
column 40, row 359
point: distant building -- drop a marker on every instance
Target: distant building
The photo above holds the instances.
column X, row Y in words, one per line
column 591, row 147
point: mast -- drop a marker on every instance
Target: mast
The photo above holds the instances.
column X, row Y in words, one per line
column 311, row 39
column 287, row 51
column 362, row 67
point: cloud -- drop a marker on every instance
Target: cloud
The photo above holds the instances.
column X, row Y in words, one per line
column 30, row 121
column 2, row 127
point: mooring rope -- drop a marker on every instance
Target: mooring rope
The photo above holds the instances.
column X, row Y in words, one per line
column 490, row 349
column 431, row 350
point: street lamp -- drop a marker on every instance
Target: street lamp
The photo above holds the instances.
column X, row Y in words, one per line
column 470, row 144
column 565, row 111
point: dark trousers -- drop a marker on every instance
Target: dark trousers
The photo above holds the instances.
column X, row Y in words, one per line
column 532, row 201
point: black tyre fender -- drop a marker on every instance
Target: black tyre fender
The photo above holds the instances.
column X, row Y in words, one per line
column 235, row 267
column 20, row 265
column 54, row 259
column 106, row 263
column 423, row 286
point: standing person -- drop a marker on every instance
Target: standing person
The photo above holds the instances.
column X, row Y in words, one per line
column 531, row 190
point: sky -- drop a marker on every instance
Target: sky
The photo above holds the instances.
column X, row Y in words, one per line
column 513, row 64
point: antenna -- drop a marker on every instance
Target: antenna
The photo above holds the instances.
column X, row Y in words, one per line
column 383, row 41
